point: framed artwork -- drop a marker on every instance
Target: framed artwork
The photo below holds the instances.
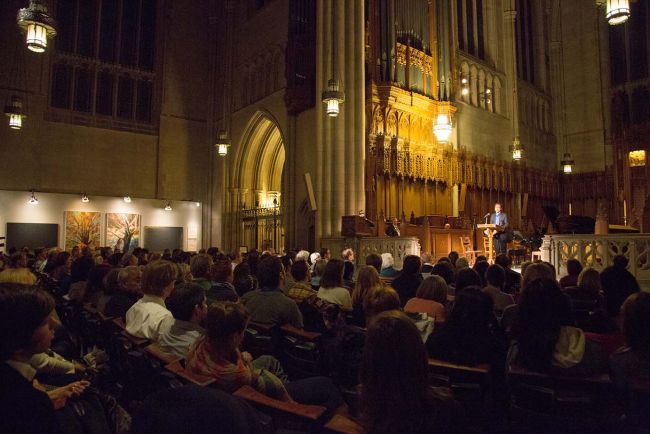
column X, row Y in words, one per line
column 82, row 229
column 122, row 231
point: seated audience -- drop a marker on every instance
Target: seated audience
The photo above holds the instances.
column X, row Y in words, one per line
column 395, row 395
column 495, row 277
column 79, row 271
column 367, row 281
column 630, row 365
column 94, row 291
column 512, row 283
column 187, row 303
column 481, row 268
column 588, row 287
column 466, row 278
column 26, row 329
column 470, row 335
column 573, row 268
column 544, row 340
column 301, row 289
column 269, row 305
column 379, row 301
column 453, row 257
column 242, row 279
column 348, row 275
column 446, row 271
column 317, row 271
column 222, row 277
column 127, row 292
column 217, row 355
column 194, row 409
column 430, row 298
column 149, row 317
column 18, row 275
column 617, row 284
column 200, row 269
column 374, row 260
column 331, row 285
column 408, row 281
column 427, row 266
column 387, row 266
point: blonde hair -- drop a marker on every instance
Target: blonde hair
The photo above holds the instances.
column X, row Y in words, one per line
column 18, row 275
column 433, row 288
column 367, row 281
column 157, row 276
column 589, row 278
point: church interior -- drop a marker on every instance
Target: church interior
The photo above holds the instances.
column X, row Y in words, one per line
column 329, row 216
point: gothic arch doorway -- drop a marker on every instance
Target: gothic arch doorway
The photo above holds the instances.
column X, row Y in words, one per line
column 256, row 186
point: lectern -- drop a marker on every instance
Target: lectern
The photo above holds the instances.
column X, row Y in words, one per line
column 490, row 230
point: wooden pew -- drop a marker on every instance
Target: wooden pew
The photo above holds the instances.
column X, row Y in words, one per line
column 179, row 370
column 291, row 409
column 136, row 340
column 164, row 357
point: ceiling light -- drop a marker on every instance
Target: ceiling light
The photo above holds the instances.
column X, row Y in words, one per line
column 127, row 199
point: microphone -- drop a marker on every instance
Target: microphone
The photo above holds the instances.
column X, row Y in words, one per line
column 486, row 215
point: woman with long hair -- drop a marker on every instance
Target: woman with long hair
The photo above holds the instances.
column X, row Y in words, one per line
column 331, row 285
column 368, row 280
column 395, row 395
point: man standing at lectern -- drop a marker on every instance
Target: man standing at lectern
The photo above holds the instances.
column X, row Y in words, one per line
column 501, row 237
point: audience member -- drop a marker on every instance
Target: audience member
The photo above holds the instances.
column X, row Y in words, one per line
column 588, row 288
column 17, row 275
column 544, row 342
column 374, row 260
column 288, row 278
column 348, row 275
column 395, row 395
column 149, row 317
column 222, row 288
column 631, row 364
column 368, row 280
column 79, row 271
column 301, row 289
column 430, row 298
column 481, row 268
column 380, row 300
column 512, row 283
column 317, row 271
column 466, row 278
column 269, row 305
column 427, row 266
column 453, row 257
column 94, row 292
column 331, row 285
column 573, row 268
column 127, row 293
column 534, row 271
column 200, row 269
column 187, row 303
column 462, row 263
column 407, row 282
column 618, row 284
column 348, row 255
column 387, row 266
column 302, row 255
column 495, row 277
column 446, row 271
column 325, row 253
column 242, row 279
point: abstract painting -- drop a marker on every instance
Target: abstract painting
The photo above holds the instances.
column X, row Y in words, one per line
column 82, row 229
column 122, row 231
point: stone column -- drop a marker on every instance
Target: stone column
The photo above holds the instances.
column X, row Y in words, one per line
column 510, row 57
column 340, row 141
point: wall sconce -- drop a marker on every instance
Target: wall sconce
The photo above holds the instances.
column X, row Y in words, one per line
column 464, row 85
column 168, row 207
column 37, row 24
column 32, row 199
column 127, row 199
column 84, row 198
column 486, row 96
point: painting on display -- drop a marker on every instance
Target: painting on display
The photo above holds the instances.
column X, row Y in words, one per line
column 82, row 229
column 122, row 231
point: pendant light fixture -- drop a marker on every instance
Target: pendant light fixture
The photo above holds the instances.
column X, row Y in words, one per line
column 617, row 12
column 37, row 24
column 567, row 163
column 223, row 143
column 442, row 128
column 517, row 150
column 32, row 199
column 333, row 96
column 14, row 111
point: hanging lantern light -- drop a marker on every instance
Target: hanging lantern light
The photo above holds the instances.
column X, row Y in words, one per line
column 442, row 128
column 332, row 97
column 618, row 11
column 223, row 143
column 517, row 150
column 84, row 198
column 567, row 163
column 168, row 207
column 37, row 24
column 32, row 199
column 14, row 110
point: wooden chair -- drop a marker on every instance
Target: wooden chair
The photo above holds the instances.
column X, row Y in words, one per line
column 300, row 352
column 179, row 370
column 260, row 339
column 343, row 425
column 468, row 251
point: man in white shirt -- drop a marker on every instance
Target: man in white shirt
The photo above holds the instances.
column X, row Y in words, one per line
column 149, row 317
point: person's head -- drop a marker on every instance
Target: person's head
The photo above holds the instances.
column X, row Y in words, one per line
column 270, row 272
column 497, row 207
column 315, row 257
column 374, row 260
column 63, row 259
column 235, row 257
column 543, row 310
column 18, row 275
column 242, row 279
column 225, row 324
column 589, row 279
column 412, row 265
column 387, row 261
column 221, row 271
column 472, row 313
column 333, row 275
column 319, row 267
column 380, row 300
column 26, row 321
column 393, row 374
column 636, row 322
column 300, row 272
column 40, row 253
column 81, row 268
column 524, row 266
column 348, row 254
column 481, row 267
column 302, row 255
column 325, row 253
column 128, row 259
column 536, row 271
column 573, row 267
column 620, row 261
column 110, row 282
column 433, row 288
column 129, row 279
column 200, row 266
column 495, row 276
column 367, row 280
column 462, row 263
column 453, row 257
column 425, row 257
column 187, row 302
column 466, row 278
column 158, row 278
column 444, row 270
column 18, row 260
column 503, row 260
column 287, row 263
column 348, row 270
